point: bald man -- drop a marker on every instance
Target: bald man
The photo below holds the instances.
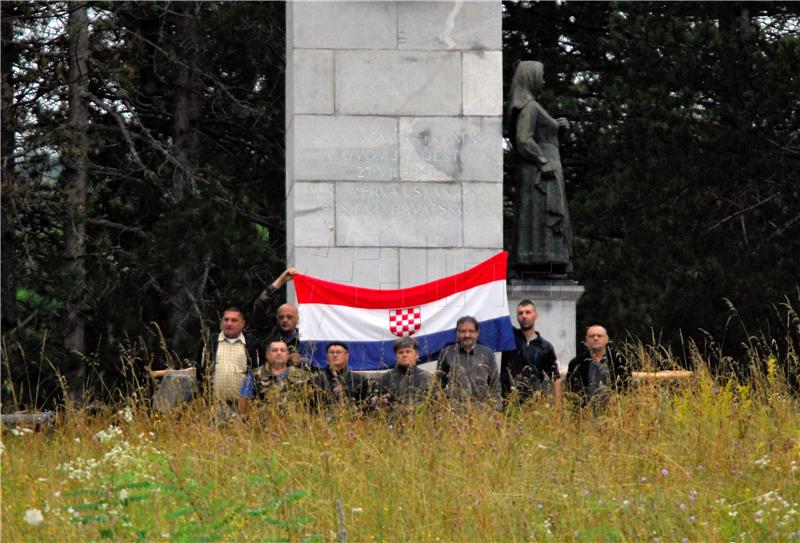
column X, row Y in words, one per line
column 286, row 319
column 597, row 370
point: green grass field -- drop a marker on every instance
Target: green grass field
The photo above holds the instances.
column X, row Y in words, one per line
column 700, row 460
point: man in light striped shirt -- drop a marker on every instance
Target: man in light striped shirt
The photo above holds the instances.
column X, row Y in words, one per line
column 227, row 358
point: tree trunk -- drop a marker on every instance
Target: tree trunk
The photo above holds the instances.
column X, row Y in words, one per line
column 75, row 159
column 186, row 113
column 8, row 214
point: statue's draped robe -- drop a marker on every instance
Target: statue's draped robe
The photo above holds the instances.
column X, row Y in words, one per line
column 543, row 234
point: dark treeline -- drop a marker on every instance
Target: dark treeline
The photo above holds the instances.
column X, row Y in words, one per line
column 142, row 172
column 682, row 163
column 142, row 179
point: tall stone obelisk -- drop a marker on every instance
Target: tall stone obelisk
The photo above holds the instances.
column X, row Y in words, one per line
column 394, row 159
column 394, row 146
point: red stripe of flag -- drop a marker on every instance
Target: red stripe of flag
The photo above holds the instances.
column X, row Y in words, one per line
column 311, row 290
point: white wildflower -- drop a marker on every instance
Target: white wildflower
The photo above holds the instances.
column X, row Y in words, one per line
column 127, row 415
column 762, row 462
column 123, row 494
column 34, row 517
column 104, row 436
column 357, row 510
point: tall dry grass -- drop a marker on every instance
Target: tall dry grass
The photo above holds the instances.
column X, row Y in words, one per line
column 707, row 459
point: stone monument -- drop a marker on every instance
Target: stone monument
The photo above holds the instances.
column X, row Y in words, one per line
column 394, row 145
column 394, row 158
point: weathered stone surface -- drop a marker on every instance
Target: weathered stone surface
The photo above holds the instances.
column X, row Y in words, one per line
column 312, row 81
column 343, row 25
column 371, row 267
column 423, row 265
column 483, row 214
column 449, row 25
column 398, row 83
column 349, row 148
column 451, row 148
column 483, row 83
column 312, row 209
column 399, row 214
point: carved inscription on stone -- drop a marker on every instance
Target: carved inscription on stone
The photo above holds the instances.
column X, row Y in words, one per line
column 399, row 214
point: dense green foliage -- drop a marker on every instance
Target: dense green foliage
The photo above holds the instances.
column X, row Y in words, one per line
column 184, row 205
column 683, row 156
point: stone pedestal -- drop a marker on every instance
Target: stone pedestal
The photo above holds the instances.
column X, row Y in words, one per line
column 555, row 301
column 394, row 158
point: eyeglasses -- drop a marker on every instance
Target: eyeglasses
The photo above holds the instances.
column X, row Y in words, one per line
column 337, row 352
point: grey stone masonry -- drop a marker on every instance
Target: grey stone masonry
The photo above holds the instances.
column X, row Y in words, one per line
column 394, row 150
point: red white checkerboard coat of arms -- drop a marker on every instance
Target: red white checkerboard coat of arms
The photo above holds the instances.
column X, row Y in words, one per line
column 404, row 322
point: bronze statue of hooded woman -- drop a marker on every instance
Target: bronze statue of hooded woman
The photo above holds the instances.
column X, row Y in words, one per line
column 543, row 234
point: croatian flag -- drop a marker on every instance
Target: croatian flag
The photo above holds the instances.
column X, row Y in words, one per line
column 371, row 320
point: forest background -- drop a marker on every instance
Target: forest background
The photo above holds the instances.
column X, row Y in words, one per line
column 143, row 182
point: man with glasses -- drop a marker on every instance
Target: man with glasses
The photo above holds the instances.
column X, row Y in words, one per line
column 336, row 383
column 468, row 371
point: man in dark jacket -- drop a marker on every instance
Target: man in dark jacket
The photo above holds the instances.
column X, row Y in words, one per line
column 223, row 362
column 467, row 371
column 336, row 383
column 406, row 384
column 286, row 319
column 597, row 370
column 533, row 364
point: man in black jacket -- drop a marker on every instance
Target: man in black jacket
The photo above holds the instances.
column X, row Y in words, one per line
column 406, row 384
column 533, row 364
column 336, row 383
column 224, row 361
column 286, row 319
column 597, row 370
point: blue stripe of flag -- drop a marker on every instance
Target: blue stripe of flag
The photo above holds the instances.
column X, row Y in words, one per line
column 497, row 334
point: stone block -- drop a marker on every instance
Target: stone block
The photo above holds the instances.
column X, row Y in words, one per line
column 422, row 265
column 450, row 25
column 398, row 83
column 482, row 78
column 372, row 267
column 312, row 81
column 342, row 25
column 399, row 214
column 483, row 215
column 344, row 148
column 312, row 214
column 447, row 148
column 289, row 217
column 290, row 152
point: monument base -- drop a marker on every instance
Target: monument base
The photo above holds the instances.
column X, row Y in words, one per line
column 556, row 300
